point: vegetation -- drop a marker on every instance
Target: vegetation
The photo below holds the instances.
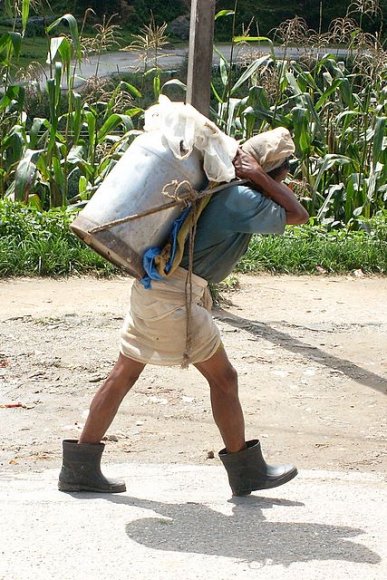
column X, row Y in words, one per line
column 56, row 145
column 336, row 111
column 33, row 242
column 262, row 17
column 314, row 249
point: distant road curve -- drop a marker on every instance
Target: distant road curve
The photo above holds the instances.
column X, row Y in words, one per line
column 111, row 63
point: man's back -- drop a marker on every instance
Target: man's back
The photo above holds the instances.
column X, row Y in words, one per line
column 225, row 227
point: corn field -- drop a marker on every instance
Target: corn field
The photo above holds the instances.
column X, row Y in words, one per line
column 334, row 107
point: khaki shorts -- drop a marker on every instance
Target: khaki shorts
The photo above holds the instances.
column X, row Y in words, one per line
column 154, row 330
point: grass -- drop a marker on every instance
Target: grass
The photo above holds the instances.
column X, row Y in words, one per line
column 34, row 49
column 40, row 243
column 311, row 250
column 35, row 243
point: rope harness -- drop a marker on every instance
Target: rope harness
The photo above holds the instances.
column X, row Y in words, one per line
column 179, row 193
column 189, row 197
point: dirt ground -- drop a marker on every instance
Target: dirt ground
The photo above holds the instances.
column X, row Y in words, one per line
column 311, row 353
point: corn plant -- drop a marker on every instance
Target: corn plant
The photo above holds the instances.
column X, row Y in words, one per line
column 149, row 44
column 61, row 157
column 335, row 109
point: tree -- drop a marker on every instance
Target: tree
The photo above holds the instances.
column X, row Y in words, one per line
column 100, row 7
column 317, row 13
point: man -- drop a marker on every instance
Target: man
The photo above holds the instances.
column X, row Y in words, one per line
column 155, row 329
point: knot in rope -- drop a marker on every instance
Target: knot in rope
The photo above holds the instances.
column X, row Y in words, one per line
column 180, row 191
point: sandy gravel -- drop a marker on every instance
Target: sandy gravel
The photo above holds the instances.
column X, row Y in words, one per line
column 311, row 353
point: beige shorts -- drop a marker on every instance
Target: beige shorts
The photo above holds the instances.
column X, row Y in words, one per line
column 154, row 330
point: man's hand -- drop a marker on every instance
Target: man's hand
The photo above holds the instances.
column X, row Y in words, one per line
column 246, row 166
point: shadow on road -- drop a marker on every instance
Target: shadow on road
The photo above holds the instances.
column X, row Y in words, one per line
column 292, row 344
column 245, row 535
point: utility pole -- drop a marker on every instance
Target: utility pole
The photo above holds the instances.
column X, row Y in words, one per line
column 201, row 38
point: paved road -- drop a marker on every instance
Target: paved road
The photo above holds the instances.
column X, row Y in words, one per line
column 171, row 59
column 178, row 521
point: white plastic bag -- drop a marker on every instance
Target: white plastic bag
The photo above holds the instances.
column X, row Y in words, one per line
column 184, row 128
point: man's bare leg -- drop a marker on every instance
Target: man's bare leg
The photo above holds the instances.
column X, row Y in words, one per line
column 246, row 468
column 81, row 470
column 226, row 407
column 108, row 398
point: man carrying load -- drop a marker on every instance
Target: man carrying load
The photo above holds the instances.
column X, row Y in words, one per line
column 154, row 330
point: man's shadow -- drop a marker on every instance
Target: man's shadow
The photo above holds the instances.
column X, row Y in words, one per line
column 245, row 535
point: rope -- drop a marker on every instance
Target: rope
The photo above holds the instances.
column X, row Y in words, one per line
column 173, row 191
column 176, row 199
column 186, row 196
column 188, row 288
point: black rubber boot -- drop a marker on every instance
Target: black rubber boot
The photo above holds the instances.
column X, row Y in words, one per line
column 81, row 469
column 248, row 471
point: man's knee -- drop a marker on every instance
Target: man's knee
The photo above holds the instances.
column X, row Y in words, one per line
column 226, row 381
column 126, row 371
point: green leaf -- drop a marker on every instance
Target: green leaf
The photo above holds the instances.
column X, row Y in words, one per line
column 8, row 8
column 112, row 122
column 60, row 179
column 91, row 129
column 238, row 39
column 216, row 94
column 131, row 89
column 10, row 44
column 156, row 86
column 74, row 33
column 36, row 128
column 250, row 71
column 76, row 155
column 14, row 93
column 329, row 161
column 346, row 92
column 82, row 184
column 301, row 129
column 25, row 14
column 25, row 174
column 14, row 145
column 35, row 201
column 134, row 111
column 76, row 117
column 224, row 13
column 293, row 83
column 326, row 94
column 224, row 70
column 232, row 106
column 331, row 192
column 379, row 136
column 176, row 83
column 55, row 44
column 258, row 97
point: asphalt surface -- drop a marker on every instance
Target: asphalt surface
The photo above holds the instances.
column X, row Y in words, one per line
column 110, row 63
column 179, row 522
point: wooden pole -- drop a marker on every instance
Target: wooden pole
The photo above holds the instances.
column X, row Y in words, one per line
column 200, row 51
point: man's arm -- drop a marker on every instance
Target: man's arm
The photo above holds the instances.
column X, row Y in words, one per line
column 246, row 167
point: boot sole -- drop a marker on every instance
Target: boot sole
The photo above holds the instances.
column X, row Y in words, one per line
column 68, row 487
column 268, row 484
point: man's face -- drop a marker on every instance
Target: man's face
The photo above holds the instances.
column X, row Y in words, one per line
column 281, row 176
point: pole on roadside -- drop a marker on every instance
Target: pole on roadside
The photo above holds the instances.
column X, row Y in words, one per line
column 201, row 39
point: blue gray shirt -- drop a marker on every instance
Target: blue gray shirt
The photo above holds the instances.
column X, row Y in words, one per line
column 225, row 228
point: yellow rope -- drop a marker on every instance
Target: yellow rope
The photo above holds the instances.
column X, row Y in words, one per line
column 188, row 288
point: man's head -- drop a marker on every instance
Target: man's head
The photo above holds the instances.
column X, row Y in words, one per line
column 272, row 150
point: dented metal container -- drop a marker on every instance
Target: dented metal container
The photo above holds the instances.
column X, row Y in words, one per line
column 135, row 186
